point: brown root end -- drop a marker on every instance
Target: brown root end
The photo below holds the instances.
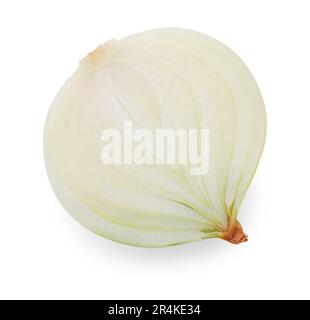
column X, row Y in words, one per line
column 234, row 233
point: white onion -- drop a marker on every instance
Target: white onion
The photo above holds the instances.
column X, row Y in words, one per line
column 167, row 78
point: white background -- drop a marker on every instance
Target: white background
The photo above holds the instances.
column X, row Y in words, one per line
column 45, row 254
